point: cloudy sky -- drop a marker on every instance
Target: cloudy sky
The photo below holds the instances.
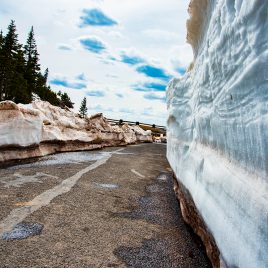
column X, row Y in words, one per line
column 120, row 54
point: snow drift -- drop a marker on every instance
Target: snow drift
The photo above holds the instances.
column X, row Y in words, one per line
column 39, row 128
column 218, row 130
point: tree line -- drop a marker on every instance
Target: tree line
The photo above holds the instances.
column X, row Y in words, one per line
column 21, row 78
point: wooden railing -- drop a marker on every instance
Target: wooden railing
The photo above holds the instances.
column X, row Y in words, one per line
column 152, row 127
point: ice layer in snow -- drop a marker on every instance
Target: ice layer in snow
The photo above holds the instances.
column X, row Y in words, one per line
column 218, row 126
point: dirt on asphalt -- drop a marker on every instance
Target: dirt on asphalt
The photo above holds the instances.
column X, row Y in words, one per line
column 109, row 208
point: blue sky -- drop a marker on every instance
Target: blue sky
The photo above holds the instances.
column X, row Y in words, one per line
column 95, row 17
column 92, row 44
column 119, row 54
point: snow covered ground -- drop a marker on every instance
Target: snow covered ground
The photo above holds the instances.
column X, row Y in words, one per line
column 39, row 128
column 218, row 126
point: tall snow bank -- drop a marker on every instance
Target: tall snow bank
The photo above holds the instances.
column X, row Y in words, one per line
column 19, row 127
column 218, row 126
column 40, row 128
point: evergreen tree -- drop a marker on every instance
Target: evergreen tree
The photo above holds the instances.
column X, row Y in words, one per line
column 44, row 91
column 46, row 75
column 1, row 39
column 51, row 97
column 83, row 107
column 32, row 73
column 20, row 72
column 66, row 101
column 1, row 64
column 12, row 82
column 19, row 84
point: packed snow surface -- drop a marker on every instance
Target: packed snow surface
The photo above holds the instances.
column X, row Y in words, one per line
column 218, row 126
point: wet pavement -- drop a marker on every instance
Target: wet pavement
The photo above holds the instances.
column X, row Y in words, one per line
column 109, row 208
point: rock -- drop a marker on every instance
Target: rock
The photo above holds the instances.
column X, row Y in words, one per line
column 39, row 128
column 192, row 216
column 218, row 131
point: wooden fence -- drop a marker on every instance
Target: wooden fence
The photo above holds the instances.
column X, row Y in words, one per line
column 153, row 127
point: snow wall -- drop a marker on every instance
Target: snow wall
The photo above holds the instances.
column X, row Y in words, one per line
column 218, row 128
column 39, row 129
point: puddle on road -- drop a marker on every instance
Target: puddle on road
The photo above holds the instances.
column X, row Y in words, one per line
column 65, row 158
column 106, row 185
column 22, row 231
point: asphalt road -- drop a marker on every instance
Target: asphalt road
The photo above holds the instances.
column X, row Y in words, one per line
column 109, row 208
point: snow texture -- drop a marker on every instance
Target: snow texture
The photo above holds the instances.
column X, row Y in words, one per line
column 39, row 123
column 218, row 126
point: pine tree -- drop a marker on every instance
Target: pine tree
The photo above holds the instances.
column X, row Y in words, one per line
column 2, row 39
column 66, row 101
column 46, row 75
column 19, row 83
column 12, row 82
column 32, row 73
column 83, row 108
column 20, row 72
column 51, row 97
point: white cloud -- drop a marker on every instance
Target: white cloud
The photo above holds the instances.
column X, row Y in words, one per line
column 162, row 35
column 115, row 34
column 181, row 55
column 153, row 30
